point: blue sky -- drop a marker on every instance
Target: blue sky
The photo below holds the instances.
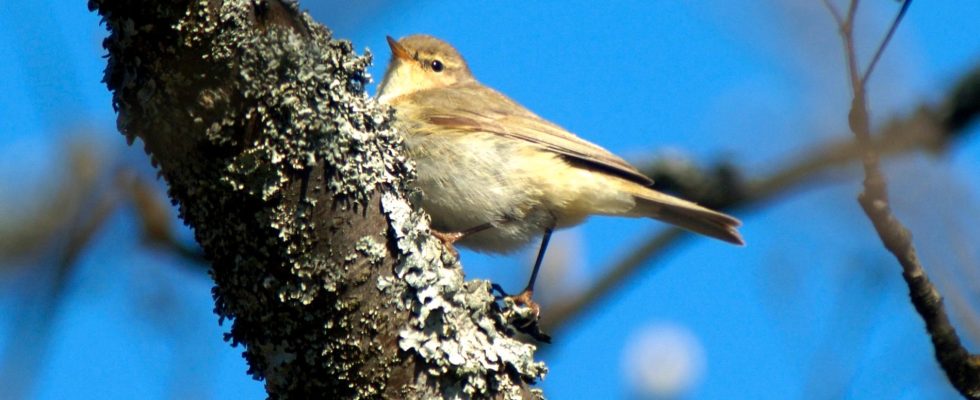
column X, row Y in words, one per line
column 811, row 308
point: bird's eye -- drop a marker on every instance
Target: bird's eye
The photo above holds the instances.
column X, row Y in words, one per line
column 437, row 66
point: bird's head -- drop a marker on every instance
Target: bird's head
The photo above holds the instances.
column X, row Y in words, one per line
column 421, row 62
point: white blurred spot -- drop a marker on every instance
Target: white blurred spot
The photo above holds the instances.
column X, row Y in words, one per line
column 663, row 361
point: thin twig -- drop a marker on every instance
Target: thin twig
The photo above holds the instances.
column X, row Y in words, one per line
column 852, row 12
column 961, row 367
column 884, row 42
column 566, row 310
column 833, row 11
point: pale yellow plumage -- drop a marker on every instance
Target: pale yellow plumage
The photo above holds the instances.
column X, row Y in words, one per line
column 482, row 158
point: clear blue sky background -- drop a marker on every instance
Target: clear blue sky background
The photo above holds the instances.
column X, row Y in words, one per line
column 811, row 308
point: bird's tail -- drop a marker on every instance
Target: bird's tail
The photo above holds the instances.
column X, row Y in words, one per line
column 683, row 213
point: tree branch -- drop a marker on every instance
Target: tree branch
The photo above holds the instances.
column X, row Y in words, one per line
column 294, row 184
column 929, row 128
column 961, row 367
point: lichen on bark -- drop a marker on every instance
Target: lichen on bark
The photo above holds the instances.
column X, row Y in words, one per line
column 293, row 182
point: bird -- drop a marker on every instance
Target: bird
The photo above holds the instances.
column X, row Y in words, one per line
column 494, row 176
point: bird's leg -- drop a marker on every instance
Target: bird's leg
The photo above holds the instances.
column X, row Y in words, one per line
column 450, row 238
column 525, row 297
column 539, row 259
column 520, row 310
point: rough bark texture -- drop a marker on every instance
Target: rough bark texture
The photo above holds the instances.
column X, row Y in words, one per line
column 292, row 180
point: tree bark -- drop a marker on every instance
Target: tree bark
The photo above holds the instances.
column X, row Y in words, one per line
column 293, row 182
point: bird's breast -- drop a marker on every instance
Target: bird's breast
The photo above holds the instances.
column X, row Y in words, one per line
column 473, row 178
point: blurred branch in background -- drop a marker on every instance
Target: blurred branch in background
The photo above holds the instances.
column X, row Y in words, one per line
column 50, row 238
column 156, row 220
column 54, row 234
column 57, row 224
column 961, row 367
column 77, row 206
column 931, row 128
column 80, row 203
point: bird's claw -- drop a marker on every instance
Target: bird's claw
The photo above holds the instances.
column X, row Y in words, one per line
column 448, row 240
column 524, row 299
column 522, row 313
column 496, row 288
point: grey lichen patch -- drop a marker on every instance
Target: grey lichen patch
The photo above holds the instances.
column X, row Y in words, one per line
column 455, row 332
column 371, row 248
column 279, row 161
column 295, row 88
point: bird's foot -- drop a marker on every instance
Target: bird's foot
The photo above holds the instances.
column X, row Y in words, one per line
column 448, row 240
column 522, row 313
column 496, row 288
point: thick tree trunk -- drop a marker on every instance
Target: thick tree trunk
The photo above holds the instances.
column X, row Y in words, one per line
column 293, row 182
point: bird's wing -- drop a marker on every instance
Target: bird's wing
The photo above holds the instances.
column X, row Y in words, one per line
column 474, row 107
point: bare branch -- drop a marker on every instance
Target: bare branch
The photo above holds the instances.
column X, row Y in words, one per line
column 961, row 367
column 929, row 128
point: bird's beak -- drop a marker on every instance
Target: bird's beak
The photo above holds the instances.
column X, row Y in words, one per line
column 398, row 50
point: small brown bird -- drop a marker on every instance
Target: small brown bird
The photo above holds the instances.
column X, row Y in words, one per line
column 494, row 175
